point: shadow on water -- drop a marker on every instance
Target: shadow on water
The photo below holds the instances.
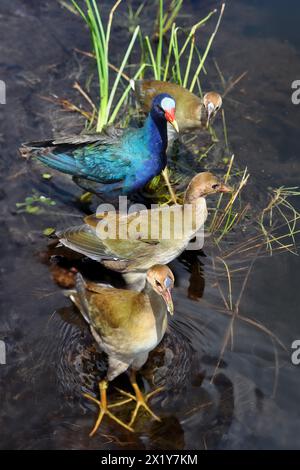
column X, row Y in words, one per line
column 250, row 400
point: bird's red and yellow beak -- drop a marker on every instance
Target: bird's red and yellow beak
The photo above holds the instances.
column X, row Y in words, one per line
column 170, row 117
column 167, row 296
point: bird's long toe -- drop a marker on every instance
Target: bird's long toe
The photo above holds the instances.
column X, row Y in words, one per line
column 104, row 408
column 140, row 399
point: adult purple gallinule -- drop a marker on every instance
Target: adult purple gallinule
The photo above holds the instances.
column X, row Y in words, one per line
column 116, row 162
column 192, row 113
column 126, row 325
column 132, row 255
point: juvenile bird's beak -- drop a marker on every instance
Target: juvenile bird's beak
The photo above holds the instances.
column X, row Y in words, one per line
column 210, row 113
column 168, row 299
column 170, row 117
column 224, row 188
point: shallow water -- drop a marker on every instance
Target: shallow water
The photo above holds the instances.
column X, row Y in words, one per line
column 51, row 358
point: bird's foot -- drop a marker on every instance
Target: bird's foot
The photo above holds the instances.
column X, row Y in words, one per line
column 141, row 401
column 104, row 408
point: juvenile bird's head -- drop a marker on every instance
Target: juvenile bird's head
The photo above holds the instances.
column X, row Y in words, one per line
column 165, row 106
column 212, row 102
column 161, row 279
column 202, row 185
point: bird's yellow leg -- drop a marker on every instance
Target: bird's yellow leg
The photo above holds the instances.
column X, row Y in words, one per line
column 104, row 408
column 141, row 400
column 165, row 174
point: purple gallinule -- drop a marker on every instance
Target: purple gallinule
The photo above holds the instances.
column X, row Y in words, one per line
column 116, row 162
column 126, row 325
column 192, row 113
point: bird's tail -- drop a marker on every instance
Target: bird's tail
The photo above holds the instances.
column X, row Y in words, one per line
column 47, row 153
column 30, row 149
column 78, row 297
column 132, row 84
column 60, row 161
column 84, row 240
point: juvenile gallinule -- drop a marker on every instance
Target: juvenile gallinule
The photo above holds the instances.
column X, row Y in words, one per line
column 115, row 162
column 126, row 325
column 192, row 112
column 127, row 252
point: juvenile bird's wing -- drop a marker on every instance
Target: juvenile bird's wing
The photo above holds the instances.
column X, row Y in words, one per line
column 83, row 239
column 188, row 105
column 103, row 308
column 119, row 237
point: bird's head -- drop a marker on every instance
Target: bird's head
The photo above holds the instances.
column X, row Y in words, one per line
column 161, row 279
column 202, row 185
column 165, row 106
column 212, row 102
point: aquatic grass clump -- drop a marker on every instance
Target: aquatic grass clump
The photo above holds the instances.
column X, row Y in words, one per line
column 171, row 66
column 226, row 218
column 100, row 36
column 279, row 213
column 276, row 227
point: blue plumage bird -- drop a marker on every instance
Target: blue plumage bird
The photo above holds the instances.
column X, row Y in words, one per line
column 117, row 161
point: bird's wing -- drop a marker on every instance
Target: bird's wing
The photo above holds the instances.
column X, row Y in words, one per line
column 103, row 307
column 110, row 309
column 83, row 239
column 121, row 237
column 98, row 157
column 103, row 160
column 134, row 235
column 109, row 136
column 125, row 244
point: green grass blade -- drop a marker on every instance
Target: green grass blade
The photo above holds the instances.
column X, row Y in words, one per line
column 118, row 77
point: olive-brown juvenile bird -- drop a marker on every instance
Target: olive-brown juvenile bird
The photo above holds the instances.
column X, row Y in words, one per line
column 126, row 325
column 192, row 112
column 140, row 239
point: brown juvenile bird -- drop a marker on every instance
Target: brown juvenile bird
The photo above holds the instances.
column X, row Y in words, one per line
column 126, row 325
column 140, row 239
column 192, row 112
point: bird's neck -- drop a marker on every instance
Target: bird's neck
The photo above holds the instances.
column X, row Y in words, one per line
column 192, row 196
column 156, row 128
column 158, row 305
column 195, row 213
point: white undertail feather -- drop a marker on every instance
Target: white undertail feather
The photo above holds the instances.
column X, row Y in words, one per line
column 132, row 84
